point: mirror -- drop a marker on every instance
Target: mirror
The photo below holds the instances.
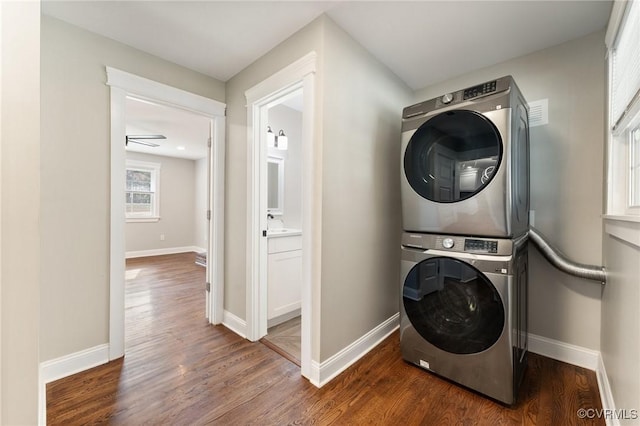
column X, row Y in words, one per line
column 275, row 185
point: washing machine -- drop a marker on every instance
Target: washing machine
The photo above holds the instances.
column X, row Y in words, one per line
column 465, row 162
column 463, row 310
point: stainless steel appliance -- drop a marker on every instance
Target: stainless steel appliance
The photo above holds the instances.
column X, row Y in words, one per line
column 463, row 313
column 465, row 162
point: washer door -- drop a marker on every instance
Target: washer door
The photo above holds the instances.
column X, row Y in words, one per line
column 453, row 156
column 453, row 306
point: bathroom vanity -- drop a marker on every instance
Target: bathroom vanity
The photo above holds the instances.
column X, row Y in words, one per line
column 284, row 248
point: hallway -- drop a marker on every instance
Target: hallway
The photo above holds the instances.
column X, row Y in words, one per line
column 180, row 370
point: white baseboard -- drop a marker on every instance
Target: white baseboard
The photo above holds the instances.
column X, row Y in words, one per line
column 565, row 352
column 159, row 252
column 322, row 373
column 582, row 357
column 64, row 366
column 606, row 396
column 283, row 318
column 74, row 363
column 235, row 324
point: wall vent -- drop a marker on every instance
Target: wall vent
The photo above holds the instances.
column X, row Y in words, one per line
column 539, row 113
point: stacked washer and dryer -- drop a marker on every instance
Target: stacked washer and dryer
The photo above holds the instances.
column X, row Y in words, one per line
column 465, row 215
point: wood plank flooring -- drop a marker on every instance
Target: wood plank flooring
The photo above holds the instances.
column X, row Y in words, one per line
column 178, row 370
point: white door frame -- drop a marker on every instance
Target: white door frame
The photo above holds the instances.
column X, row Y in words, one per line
column 298, row 76
column 124, row 84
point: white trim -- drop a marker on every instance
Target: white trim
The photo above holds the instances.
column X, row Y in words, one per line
column 624, row 229
column 235, row 324
column 155, row 91
column 582, row 357
column 117, row 229
column 125, row 85
column 615, row 20
column 59, row 368
column 42, row 400
column 143, row 219
column 282, row 79
column 606, row 396
column 76, row 362
column 163, row 251
column 565, row 352
column 322, row 373
column 300, row 75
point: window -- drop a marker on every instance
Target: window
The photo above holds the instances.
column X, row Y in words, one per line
column 142, row 191
column 623, row 44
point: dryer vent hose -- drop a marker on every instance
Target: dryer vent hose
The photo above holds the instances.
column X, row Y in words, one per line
column 557, row 259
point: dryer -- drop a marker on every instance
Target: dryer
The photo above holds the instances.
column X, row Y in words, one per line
column 465, row 162
column 463, row 310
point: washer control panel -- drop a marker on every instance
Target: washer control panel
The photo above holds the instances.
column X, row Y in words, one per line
column 480, row 246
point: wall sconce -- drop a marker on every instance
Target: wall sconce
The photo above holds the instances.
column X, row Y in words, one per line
column 282, row 141
column 271, row 138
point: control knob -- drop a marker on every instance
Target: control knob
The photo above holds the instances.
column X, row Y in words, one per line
column 448, row 243
column 447, row 98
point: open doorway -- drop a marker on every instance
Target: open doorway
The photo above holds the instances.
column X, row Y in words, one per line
column 284, row 225
column 293, row 81
column 166, row 203
column 123, row 86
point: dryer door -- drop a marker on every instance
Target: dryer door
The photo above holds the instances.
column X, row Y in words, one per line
column 453, row 306
column 453, row 156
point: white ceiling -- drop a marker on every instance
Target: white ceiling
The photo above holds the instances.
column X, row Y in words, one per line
column 181, row 128
column 423, row 42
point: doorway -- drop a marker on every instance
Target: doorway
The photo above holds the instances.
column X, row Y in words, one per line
column 166, row 195
column 294, row 81
column 284, row 225
column 124, row 85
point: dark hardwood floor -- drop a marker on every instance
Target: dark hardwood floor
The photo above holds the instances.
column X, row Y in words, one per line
column 179, row 370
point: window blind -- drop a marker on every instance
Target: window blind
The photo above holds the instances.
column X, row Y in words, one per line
column 625, row 84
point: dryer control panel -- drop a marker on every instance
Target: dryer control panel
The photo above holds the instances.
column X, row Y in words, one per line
column 479, row 90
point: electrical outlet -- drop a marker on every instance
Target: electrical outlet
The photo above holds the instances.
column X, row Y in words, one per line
column 161, row 237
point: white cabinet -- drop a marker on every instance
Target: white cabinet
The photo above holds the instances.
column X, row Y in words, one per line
column 284, row 275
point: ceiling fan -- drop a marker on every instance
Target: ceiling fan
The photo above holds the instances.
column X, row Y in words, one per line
column 143, row 140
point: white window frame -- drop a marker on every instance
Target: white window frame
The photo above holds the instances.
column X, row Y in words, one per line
column 154, row 168
column 619, row 172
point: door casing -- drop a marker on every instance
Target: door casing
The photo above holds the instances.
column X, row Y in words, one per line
column 123, row 84
column 299, row 76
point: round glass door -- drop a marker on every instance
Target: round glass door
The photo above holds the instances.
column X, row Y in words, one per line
column 453, row 156
column 453, row 306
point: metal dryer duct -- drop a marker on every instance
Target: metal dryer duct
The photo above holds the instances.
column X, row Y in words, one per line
column 557, row 259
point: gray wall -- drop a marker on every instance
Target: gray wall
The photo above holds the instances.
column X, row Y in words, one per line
column 620, row 344
column 566, row 178
column 20, row 211
column 361, row 223
column 75, row 177
column 177, row 207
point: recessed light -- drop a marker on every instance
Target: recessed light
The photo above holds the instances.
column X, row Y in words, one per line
column 180, row 148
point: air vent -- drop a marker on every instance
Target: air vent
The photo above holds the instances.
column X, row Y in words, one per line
column 539, row 113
